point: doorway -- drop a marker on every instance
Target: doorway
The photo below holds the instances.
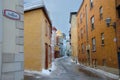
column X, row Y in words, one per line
column 46, row 56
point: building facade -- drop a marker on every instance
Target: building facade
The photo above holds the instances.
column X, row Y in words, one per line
column 68, row 48
column 38, row 30
column 53, row 42
column 74, row 37
column 60, row 38
column 11, row 40
column 97, row 37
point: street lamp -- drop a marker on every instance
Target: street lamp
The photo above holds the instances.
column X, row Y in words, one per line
column 108, row 23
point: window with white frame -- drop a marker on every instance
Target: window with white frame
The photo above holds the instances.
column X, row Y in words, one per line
column 101, row 12
column 93, row 44
column 102, row 38
column 91, row 3
column 92, row 23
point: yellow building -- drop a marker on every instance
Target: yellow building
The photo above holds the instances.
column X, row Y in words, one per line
column 74, row 36
column 37, row 38
column 97, row 40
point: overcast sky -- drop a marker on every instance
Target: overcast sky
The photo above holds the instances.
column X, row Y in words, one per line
column 59, row 11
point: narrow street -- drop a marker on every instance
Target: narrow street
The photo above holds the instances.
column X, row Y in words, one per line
column 67, row 70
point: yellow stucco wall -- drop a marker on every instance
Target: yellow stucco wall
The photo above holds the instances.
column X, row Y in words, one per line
column 108, row 51
column 74, row 37
column 35, row 39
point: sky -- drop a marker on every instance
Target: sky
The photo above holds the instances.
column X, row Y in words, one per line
column 59, row 11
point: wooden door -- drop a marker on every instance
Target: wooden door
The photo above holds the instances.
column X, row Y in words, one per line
column 46, row 56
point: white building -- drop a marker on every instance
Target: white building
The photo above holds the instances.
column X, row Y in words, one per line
column 68, row 48
column 11, row 40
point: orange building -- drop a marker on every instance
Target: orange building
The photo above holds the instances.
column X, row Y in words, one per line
column 37, row 42
column 97, row 38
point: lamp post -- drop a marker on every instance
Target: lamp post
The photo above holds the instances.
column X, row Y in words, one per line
column 108, row 23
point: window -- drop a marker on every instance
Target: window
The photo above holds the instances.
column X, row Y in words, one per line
column 102, row 38
column 119, row 12
column 92, row 23
column 91, row 3
column 101, row 12
column 81, row 33
column 104, row 62
column 93, row 44
column 82, row 45
column 118, row 8
column 81, row 16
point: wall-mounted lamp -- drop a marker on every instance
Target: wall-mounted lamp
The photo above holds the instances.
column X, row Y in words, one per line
column 108, row 23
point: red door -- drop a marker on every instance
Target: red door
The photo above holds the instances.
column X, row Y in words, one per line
column 46, row 56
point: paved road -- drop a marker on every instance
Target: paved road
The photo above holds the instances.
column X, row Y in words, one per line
column 66, row 70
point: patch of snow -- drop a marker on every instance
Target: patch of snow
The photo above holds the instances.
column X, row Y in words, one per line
column 78, row 63
column 108, row 74
column 30, row 73
column 37, row 77
column 99, row 71
column 43, row 72
column 53, row 67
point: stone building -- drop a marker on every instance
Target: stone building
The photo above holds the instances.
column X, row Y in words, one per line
column 11, row 40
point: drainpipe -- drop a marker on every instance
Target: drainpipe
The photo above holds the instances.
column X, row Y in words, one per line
column 87, row 40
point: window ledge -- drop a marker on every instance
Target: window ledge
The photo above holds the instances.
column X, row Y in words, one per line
column 93, row 50
column 102, row 44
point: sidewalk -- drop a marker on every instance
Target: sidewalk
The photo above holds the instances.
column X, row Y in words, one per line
column 100, row 71
column 108, row 69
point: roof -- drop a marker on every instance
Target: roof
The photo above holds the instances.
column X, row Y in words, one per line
column 72, row 13
column 30, row 7
column 33, row 5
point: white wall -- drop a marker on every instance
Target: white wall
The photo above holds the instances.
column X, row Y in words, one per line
column 12, row 45
column 0, row 36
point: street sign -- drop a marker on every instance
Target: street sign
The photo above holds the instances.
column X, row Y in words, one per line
column 11, row 14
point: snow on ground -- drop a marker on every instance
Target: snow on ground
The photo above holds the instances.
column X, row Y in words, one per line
column 43, row 72
column 98, row 71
